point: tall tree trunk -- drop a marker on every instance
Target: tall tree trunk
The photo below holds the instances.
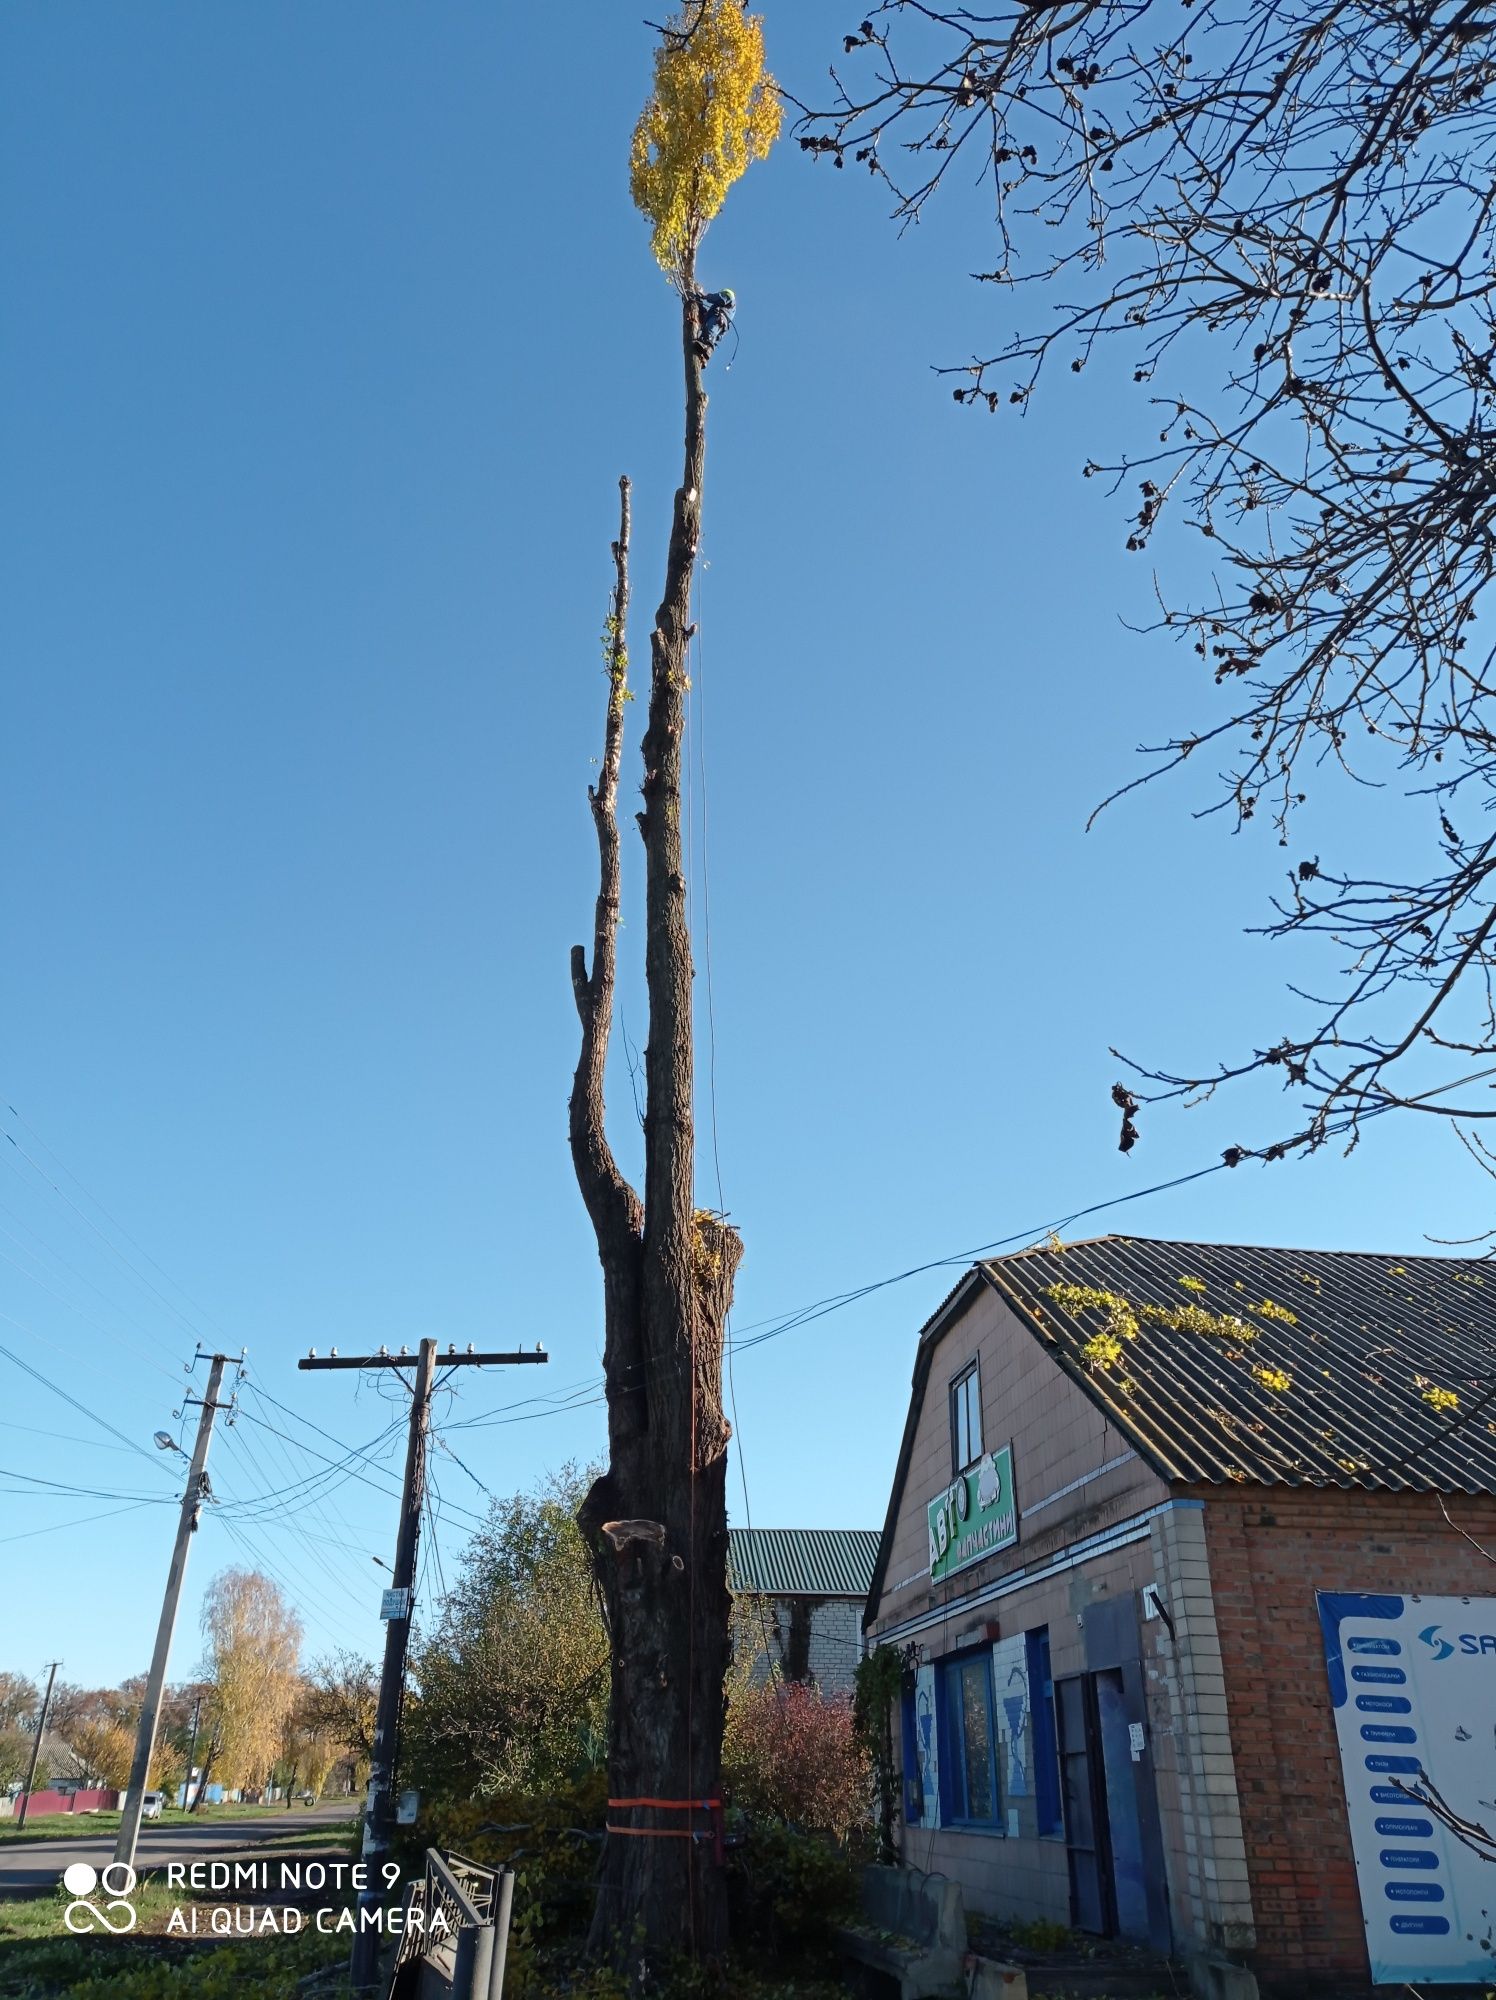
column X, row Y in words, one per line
column 656, row 1521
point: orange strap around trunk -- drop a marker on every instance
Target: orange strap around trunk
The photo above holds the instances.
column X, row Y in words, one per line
column 671, row 1805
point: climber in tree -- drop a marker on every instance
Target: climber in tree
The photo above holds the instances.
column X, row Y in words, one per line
column 714, row 311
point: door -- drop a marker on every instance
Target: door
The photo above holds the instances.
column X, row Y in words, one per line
column 1081, row 1772
column 1138, row 1883
column 1119, row 1759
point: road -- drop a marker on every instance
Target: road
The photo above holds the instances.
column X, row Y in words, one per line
column 28, row 1868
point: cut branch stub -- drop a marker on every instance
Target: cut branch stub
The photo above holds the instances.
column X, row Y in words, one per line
column 624, row 1535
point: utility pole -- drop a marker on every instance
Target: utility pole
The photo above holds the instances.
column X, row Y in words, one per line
column 197, row 1709
column 150, row 1714
column 399, row 1603
column 36, row 1748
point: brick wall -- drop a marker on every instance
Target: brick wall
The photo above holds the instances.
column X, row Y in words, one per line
column 1198, row 1801
column 827, row 1631
column 836, row 1643
column 1074, row 1473
column 1269, row 1552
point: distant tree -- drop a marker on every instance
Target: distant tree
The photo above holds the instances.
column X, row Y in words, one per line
column 254, row 1642
column 656, row 1520
column 339, row 1700
column 1282, row 218
column 15, row 1755
column 100, row 1751
column 85, row 1729
column 19, row 1700
column 513, row 1680
column 310, row 1746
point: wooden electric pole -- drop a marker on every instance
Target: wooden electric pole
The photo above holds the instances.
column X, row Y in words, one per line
column 150, row 1714
column 36, row 1748
column 399, row 1603
column 197, row 1709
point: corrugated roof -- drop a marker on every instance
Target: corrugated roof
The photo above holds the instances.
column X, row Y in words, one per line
column 1279, row 1367
column 802, row 1562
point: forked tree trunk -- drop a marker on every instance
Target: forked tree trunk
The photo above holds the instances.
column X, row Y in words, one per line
column 656, row 1521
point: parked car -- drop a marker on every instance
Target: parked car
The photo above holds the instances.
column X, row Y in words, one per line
column 151, row 1804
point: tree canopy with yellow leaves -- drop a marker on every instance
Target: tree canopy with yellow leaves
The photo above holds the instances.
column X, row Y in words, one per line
column 713, row 110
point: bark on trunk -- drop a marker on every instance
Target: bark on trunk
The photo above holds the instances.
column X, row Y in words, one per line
column 668, row 1274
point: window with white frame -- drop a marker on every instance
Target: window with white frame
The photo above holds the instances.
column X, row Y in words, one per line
column 966, row 1419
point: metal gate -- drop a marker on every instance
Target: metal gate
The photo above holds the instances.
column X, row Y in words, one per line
column 454, row 1937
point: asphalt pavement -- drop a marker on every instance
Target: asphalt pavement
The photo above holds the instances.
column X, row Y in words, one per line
column 29, row 1867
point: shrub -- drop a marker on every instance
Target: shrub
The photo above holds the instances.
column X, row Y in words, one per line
column 541, row 1837
column 1040, row 1934
column 792, row 1755
column 791, row 1890
column 513, row 1680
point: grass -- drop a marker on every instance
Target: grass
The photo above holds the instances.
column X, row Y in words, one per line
column 42, row 1916
column 271, row 1969
column 252, row 1949
column 89, row 1826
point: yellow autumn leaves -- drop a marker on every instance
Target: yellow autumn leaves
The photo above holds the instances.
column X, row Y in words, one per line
column 714, row 109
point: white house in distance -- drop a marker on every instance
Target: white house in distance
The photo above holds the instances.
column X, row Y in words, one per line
column 801, row 1594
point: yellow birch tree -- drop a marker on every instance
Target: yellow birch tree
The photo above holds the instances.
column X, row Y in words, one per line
column 254, row 1643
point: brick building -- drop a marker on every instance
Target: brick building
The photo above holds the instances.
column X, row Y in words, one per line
column 800, row 1594
column 1176, row 1556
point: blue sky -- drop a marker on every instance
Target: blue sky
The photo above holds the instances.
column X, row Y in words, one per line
column 328, row 333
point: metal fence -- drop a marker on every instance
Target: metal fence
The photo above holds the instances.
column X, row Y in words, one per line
column 454, row 1937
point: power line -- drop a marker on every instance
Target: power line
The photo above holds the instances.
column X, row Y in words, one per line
column 57, row 1526
column 115, row 1223
column 72, row 1304
column 297, row 1593
column 81, row 1408
column 1036, row 1235
column 113, row 1248
column 583, row 1395
column 253, row 1509
column 285, row 1447
column 387, row 1491
column 462, row 1466
column 63, row 1437
column 339, row 1581
column 310, row 1489
column 58, row 1487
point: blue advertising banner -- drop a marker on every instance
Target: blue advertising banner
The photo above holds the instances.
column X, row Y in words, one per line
column 1413, row 1682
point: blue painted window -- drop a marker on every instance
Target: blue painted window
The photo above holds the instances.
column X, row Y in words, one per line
column 968, row 1760
column 914, row 1790
column 1046, row 1744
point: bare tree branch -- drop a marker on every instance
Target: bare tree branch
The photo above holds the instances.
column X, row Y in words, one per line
column 1285, row 215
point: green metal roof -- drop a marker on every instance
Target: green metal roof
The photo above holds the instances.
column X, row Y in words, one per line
column 802, row 1562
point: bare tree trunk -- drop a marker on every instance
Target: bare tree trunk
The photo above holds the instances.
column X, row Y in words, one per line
column 657, row 1519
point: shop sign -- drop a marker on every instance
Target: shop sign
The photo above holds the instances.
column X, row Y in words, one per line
column 974, row 1516
column 1413, row 1685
